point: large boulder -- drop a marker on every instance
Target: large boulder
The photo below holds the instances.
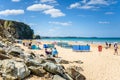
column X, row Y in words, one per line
column 15, row 51
column 56, row 69
column 11, row 69
column 53, row 68
column 38, row 71
column 34, row 60
column 74, row 73
column 57, row 77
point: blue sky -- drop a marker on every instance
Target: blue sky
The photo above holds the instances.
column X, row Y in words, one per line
column 81, row 18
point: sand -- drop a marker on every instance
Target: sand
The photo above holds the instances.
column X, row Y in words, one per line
column 96, row 65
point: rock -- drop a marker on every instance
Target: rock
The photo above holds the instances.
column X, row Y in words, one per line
column 38, row 71
column 32, row 62
column 64, row 62
column 11, row 70
column 1, row 44
column 3, row 56
column 2, row 51
column 79, row 62
column 75, row 74
column 57, row 77
column 52, row 60
column 15, row 51
column 52, row 68
column 57, row 60
column 56, row 69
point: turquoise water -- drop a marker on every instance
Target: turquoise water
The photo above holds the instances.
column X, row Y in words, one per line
column 111, row 40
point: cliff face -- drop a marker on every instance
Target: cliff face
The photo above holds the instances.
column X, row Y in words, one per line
column 15, row 29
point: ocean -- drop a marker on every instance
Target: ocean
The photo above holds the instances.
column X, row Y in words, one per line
column 78, row 39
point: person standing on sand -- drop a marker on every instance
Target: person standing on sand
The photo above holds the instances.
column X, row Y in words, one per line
column 115, row 48
column 106, row 45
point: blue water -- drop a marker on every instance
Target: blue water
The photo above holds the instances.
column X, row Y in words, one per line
column 111, row 40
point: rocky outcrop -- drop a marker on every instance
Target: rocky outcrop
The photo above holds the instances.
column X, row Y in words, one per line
column 17, row 64
column 12, row 29
column 12, row 70
column 74, row 73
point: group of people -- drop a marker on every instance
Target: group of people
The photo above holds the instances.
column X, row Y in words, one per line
column 115, row 47
column 108, row 45
column 52, row 52
column 27, row 44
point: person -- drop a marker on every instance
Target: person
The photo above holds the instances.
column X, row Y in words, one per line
column 29, row 45
column 48, row 53
column 54, row 52
column 23, row 44
column 38, row 47
column 106, row 45
column 109, row 45
column 115, row 49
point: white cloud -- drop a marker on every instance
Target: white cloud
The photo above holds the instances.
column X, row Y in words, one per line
column 91, row 4
column 96, row 2
column 15, row 0
column 87, row 7
column 39, row 7
column 78, row 5
column 11, row 12
column 50, row 1
column 46, row 9
column 54, row 13
column 61, row 23
column 75, row 5
column 104, row 22
column 84, row 1
column 109, row 13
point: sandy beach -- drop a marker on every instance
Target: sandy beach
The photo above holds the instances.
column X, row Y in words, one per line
column 96, row 65
column 59, row 40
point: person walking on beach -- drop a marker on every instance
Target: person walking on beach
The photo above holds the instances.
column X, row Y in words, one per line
column 115, row 48
column 106, row 45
